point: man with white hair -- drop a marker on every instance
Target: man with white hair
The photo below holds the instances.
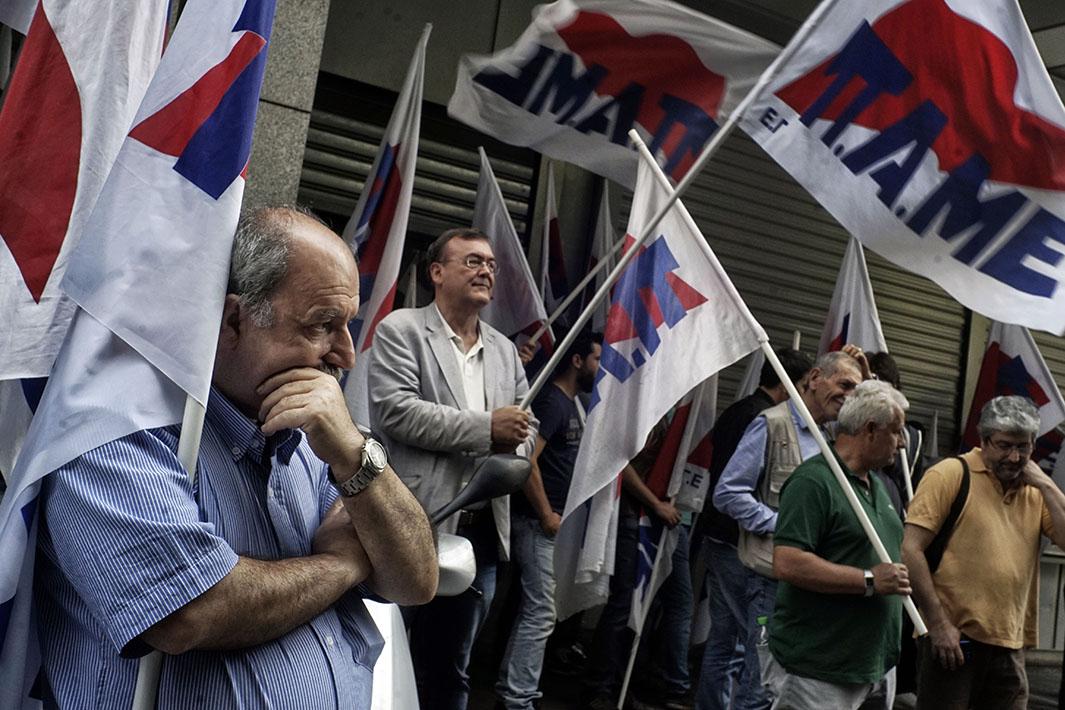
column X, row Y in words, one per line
column 835, row 632
column 972, row 545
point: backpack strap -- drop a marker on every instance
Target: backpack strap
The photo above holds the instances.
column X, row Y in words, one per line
column 934, row 552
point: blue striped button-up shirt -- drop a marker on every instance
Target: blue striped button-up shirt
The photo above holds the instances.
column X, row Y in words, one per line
column 127, row 539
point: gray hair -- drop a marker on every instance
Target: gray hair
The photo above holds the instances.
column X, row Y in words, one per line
column 871, row 401
column 1009, row 415
column 260, row 257
column 830, row 363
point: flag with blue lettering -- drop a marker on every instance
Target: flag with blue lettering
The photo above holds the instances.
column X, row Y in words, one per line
column 378, row 226
column 516, row 309
column 585, row 72
column 149, row 276
column 1013, row 365
column 939, row 148
column 852, row 315
column 554, row 285
column 675, row 320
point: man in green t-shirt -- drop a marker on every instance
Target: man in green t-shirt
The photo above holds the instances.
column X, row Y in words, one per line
column 835, row 632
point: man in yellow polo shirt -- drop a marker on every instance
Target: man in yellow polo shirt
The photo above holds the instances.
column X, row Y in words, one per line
column 980, row 604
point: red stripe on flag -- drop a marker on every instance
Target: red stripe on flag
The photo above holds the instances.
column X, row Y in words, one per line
column 382, row 311
column 171, row 128
column 40, row 149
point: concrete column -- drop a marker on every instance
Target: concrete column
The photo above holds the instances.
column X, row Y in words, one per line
column 285, row 102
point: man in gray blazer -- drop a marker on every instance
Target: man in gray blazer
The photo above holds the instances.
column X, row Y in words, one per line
column 444, row 388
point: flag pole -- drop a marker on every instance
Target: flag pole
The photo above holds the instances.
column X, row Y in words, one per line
column 906, row 474
column 796, row 339
column 708, row 152
column 150, row 667
column 796, row 398
column 639, row 632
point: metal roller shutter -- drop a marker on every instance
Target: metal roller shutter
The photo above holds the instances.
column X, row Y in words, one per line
column 783, row 251
column 346, row 127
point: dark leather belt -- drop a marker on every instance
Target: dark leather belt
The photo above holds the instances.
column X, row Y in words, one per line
column 469, row 518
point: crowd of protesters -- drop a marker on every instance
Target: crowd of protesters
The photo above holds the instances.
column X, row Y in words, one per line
column 254, row 577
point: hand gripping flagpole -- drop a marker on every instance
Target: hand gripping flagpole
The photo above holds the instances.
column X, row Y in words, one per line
column 796, row 398
column 151, row 666
column 708, row 152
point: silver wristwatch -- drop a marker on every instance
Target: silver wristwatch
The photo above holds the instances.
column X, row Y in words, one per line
column 870, row 580
column 374, row 461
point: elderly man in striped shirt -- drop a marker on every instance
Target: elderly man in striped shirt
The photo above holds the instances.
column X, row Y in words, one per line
column 250, row 578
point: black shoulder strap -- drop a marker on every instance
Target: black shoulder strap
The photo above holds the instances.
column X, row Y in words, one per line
column 934, row 552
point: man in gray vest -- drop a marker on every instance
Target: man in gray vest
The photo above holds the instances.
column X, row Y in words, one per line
column 775, row 443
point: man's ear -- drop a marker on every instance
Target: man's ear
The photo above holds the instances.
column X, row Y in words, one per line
column 434, row 272
column 231, row 317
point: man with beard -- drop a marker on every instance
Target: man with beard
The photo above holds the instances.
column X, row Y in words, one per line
column 249, row 577
column 537, row 516
column 980, row 602
column 444, row 393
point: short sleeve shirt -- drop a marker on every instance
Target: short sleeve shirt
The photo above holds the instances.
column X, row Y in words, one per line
column 560, row 425
column 837, row 638
column 988, row 578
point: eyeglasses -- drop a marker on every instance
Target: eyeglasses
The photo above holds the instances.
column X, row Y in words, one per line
column 476, row 263
column 1005, row 448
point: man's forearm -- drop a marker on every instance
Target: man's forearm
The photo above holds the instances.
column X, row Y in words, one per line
column 1054, row 499
column 256, row 602
column 394, row 530
column 806, row 570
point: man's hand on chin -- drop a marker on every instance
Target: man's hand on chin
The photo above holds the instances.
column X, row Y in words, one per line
column 311, row 400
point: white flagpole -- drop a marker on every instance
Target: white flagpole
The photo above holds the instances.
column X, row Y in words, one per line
column 150, row 667
column 796, row 339
column 906, row 474
column 712, row 147
column 815, row 430
column 639, row 632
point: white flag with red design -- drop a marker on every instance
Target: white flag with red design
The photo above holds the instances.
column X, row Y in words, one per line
column 516, row 308
column 931, row 130
column 149, row 276
column 1013, row 365
column 587, row 71
column 378, row 226
column 675, row 319
column 852, row 314
column 66, row 112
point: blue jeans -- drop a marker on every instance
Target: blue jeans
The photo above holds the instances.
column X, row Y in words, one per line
column 761, row 598
column 673, row 634
column 723, row 659
column 533, row 554
column 442, row 632
column 613, row 637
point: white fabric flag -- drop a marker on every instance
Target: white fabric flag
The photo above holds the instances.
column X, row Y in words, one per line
column 378, row 226
column 554, row 285
column 939, row 149
column 603, row 239
column 1013, row 365
column 852, row 315
column 675, row 319
column 149, row 277
column 587, row 71
column 66, row 112
column 752, row 374
column 516, row 307
column 17, row 14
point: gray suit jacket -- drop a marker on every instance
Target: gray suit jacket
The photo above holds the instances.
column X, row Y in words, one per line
column 418, row 407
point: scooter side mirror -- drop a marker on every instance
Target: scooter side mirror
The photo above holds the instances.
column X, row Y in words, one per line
column 497, row 475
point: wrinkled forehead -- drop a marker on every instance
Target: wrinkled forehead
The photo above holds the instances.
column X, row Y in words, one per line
column 1011, row 437
column 461, row 247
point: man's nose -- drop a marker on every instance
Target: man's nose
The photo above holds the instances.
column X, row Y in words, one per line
column 1014, row 454
column 342, row 352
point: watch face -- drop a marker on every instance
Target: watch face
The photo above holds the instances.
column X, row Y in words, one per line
column 375, row 455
